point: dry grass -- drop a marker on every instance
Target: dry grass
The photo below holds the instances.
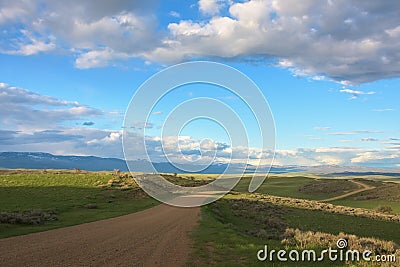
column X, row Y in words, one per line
column 326, row 207
column 41, row 171
column 121, row 182
column 303, row 240
column 187, row 181
column 387, row 191
column 238, row 219
column 267, row 217
column 328, row 187
column 32, row 217
column 385, row 209
column 307, row 239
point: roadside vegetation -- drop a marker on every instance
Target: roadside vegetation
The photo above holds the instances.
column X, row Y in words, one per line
column 39, row 200
column 235, row 228
column 285, row 214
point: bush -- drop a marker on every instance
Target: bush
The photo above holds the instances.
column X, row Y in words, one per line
column 385, row 209
column 32, row 217
column 91, row 206
column 306, row 239
column 327, row 207
column 266, row 218
column 328, row 187
column 123, row 183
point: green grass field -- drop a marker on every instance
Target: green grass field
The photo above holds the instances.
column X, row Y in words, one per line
column 234, row 228
column 74, row 197
column 289, row 187
column 68, row 195
column 278, row 186
column 231, row 230
column 385, row 194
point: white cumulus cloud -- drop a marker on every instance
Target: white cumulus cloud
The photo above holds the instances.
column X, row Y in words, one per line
column 347, row 41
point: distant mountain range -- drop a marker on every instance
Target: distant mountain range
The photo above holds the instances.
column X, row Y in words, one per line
column 39, row 160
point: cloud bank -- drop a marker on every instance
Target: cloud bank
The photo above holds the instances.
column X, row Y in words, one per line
column 25, row 110
column 346, row 41
column 38, row 123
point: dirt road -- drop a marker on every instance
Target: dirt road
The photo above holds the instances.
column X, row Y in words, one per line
column 153, row 237
column 363, row 187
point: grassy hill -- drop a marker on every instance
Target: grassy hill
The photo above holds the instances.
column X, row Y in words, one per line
column 72, row 197
column 286, row 212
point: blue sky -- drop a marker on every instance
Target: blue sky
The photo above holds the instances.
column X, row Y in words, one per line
column 329, row 71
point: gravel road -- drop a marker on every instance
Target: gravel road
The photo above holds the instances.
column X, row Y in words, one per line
column 154, row 237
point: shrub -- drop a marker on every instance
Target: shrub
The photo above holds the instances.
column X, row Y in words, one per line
column 307, row 239
column 32, row 217
column 328, row 187
column 387, row 191
column 91, row 206
column 267, row 219
column 385, row 209
column 327, row 207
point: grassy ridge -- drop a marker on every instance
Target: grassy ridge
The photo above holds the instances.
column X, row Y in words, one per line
column 299, row 187
column 385, row 194
column 74, row 197
column 235, row 227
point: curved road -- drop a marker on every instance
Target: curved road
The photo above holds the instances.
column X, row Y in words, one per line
column 154, row 237
column 362, row 187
